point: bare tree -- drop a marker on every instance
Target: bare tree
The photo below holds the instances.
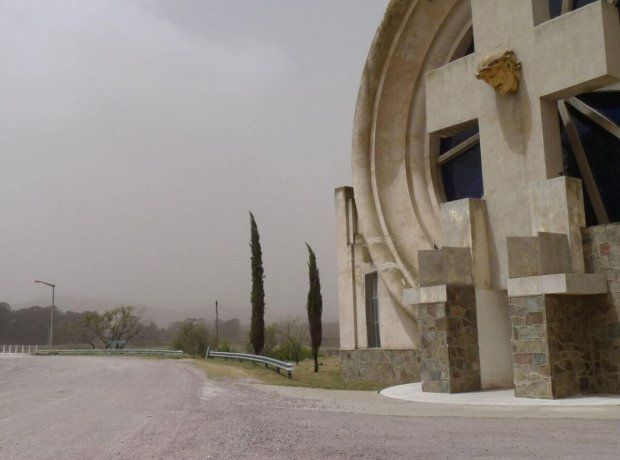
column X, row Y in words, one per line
column 113, row 327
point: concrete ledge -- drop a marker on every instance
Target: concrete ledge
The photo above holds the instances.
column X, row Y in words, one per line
column 413, row 392
column 559, row 283
column 427, row 294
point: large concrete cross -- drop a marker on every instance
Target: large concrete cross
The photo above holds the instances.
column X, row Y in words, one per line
column 519, row 133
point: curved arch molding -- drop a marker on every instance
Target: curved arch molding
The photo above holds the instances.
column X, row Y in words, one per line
column 394, row 175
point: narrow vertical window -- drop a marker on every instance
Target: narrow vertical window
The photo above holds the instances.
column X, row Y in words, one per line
column 372, row 310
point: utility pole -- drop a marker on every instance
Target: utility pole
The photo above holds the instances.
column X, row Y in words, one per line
column 217, row 328
column 53, row 286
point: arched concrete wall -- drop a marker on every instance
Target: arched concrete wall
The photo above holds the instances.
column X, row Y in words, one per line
column 396, row 186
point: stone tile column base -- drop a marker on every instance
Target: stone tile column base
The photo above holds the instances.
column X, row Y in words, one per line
column 559, row 344
column 449, row 358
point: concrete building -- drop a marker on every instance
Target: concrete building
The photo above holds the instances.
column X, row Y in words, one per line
column 479, row 246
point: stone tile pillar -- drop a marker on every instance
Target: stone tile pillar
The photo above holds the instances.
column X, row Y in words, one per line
column 555, row 342
column 531, row 367
column 556, row 317
column 449, row 358
column 449, row 352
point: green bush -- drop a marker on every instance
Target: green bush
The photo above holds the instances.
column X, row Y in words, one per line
column 292, row 352
column 192, row 337
column 225, row 346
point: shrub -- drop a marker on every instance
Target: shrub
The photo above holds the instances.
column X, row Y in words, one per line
column 225, row 346
column 192, row 337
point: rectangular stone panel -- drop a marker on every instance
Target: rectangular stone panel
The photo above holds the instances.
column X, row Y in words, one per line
column 445, row 266
column 545, row 254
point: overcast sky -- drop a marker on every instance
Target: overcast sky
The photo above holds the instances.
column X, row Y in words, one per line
column 136, row 135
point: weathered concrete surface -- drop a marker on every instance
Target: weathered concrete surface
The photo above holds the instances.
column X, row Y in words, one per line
column 103, row 407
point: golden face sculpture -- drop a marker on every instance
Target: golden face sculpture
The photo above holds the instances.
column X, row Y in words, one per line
column 502, row 71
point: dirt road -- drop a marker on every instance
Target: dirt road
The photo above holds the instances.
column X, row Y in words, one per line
column 115, row 408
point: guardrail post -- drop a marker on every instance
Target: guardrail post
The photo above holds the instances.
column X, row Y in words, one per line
column 2, row 348
column 290, row 374
column 22, row 349
column 36, row 348
column 208, row 351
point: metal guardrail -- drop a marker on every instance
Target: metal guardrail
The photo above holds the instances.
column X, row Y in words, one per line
column 113, row 351
column 277, row 364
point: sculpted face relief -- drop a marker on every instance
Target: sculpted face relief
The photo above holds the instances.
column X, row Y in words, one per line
column 501, row 71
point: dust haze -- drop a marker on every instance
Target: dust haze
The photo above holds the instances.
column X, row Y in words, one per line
column 136, row 135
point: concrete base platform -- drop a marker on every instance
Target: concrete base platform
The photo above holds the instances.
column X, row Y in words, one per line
column 413, row 392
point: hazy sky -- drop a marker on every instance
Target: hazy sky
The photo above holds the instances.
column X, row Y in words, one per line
column 136, row 135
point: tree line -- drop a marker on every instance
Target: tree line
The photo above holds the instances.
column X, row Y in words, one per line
column 113, row 328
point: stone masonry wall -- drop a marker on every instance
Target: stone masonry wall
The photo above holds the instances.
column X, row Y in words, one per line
column 558, row 345
column 601, row 247
column 450, row 359
column 577, row 354
column 530, row 362
column 380, row 365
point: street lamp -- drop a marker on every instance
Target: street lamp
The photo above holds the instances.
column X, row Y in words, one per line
column 53, row 286
column 217, row 328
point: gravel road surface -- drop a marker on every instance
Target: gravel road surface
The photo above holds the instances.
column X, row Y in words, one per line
column 116, row 408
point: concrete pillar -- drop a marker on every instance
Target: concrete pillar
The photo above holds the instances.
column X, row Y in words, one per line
column 465, row 240
column 556, row 206
column 449, row 351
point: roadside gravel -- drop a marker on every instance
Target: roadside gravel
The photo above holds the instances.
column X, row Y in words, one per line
column 124, row 408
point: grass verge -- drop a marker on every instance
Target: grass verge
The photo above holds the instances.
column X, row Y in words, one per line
column 329, row 375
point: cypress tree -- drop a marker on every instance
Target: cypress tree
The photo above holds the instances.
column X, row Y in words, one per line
column 257, row 329
column 314, row 307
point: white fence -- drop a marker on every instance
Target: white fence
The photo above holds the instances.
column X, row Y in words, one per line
column 19, row 349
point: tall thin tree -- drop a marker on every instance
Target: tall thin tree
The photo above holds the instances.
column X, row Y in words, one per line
column 257, row 328
column 314, row 307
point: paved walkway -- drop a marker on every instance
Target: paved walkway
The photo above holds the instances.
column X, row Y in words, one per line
column 413, row 392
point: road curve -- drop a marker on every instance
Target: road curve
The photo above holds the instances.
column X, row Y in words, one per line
column 92, row 408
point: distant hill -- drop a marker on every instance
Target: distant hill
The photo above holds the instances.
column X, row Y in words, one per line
column 161, row 316
column 164, row 316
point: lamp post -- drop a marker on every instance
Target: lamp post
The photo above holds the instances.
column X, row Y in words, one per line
column 53, row 286
column 217, row 328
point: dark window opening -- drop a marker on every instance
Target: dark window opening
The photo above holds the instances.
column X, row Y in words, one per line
column 372, row 310
column 462, row 176
column 461, row 173
column 555, row 6
column 602, row 151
